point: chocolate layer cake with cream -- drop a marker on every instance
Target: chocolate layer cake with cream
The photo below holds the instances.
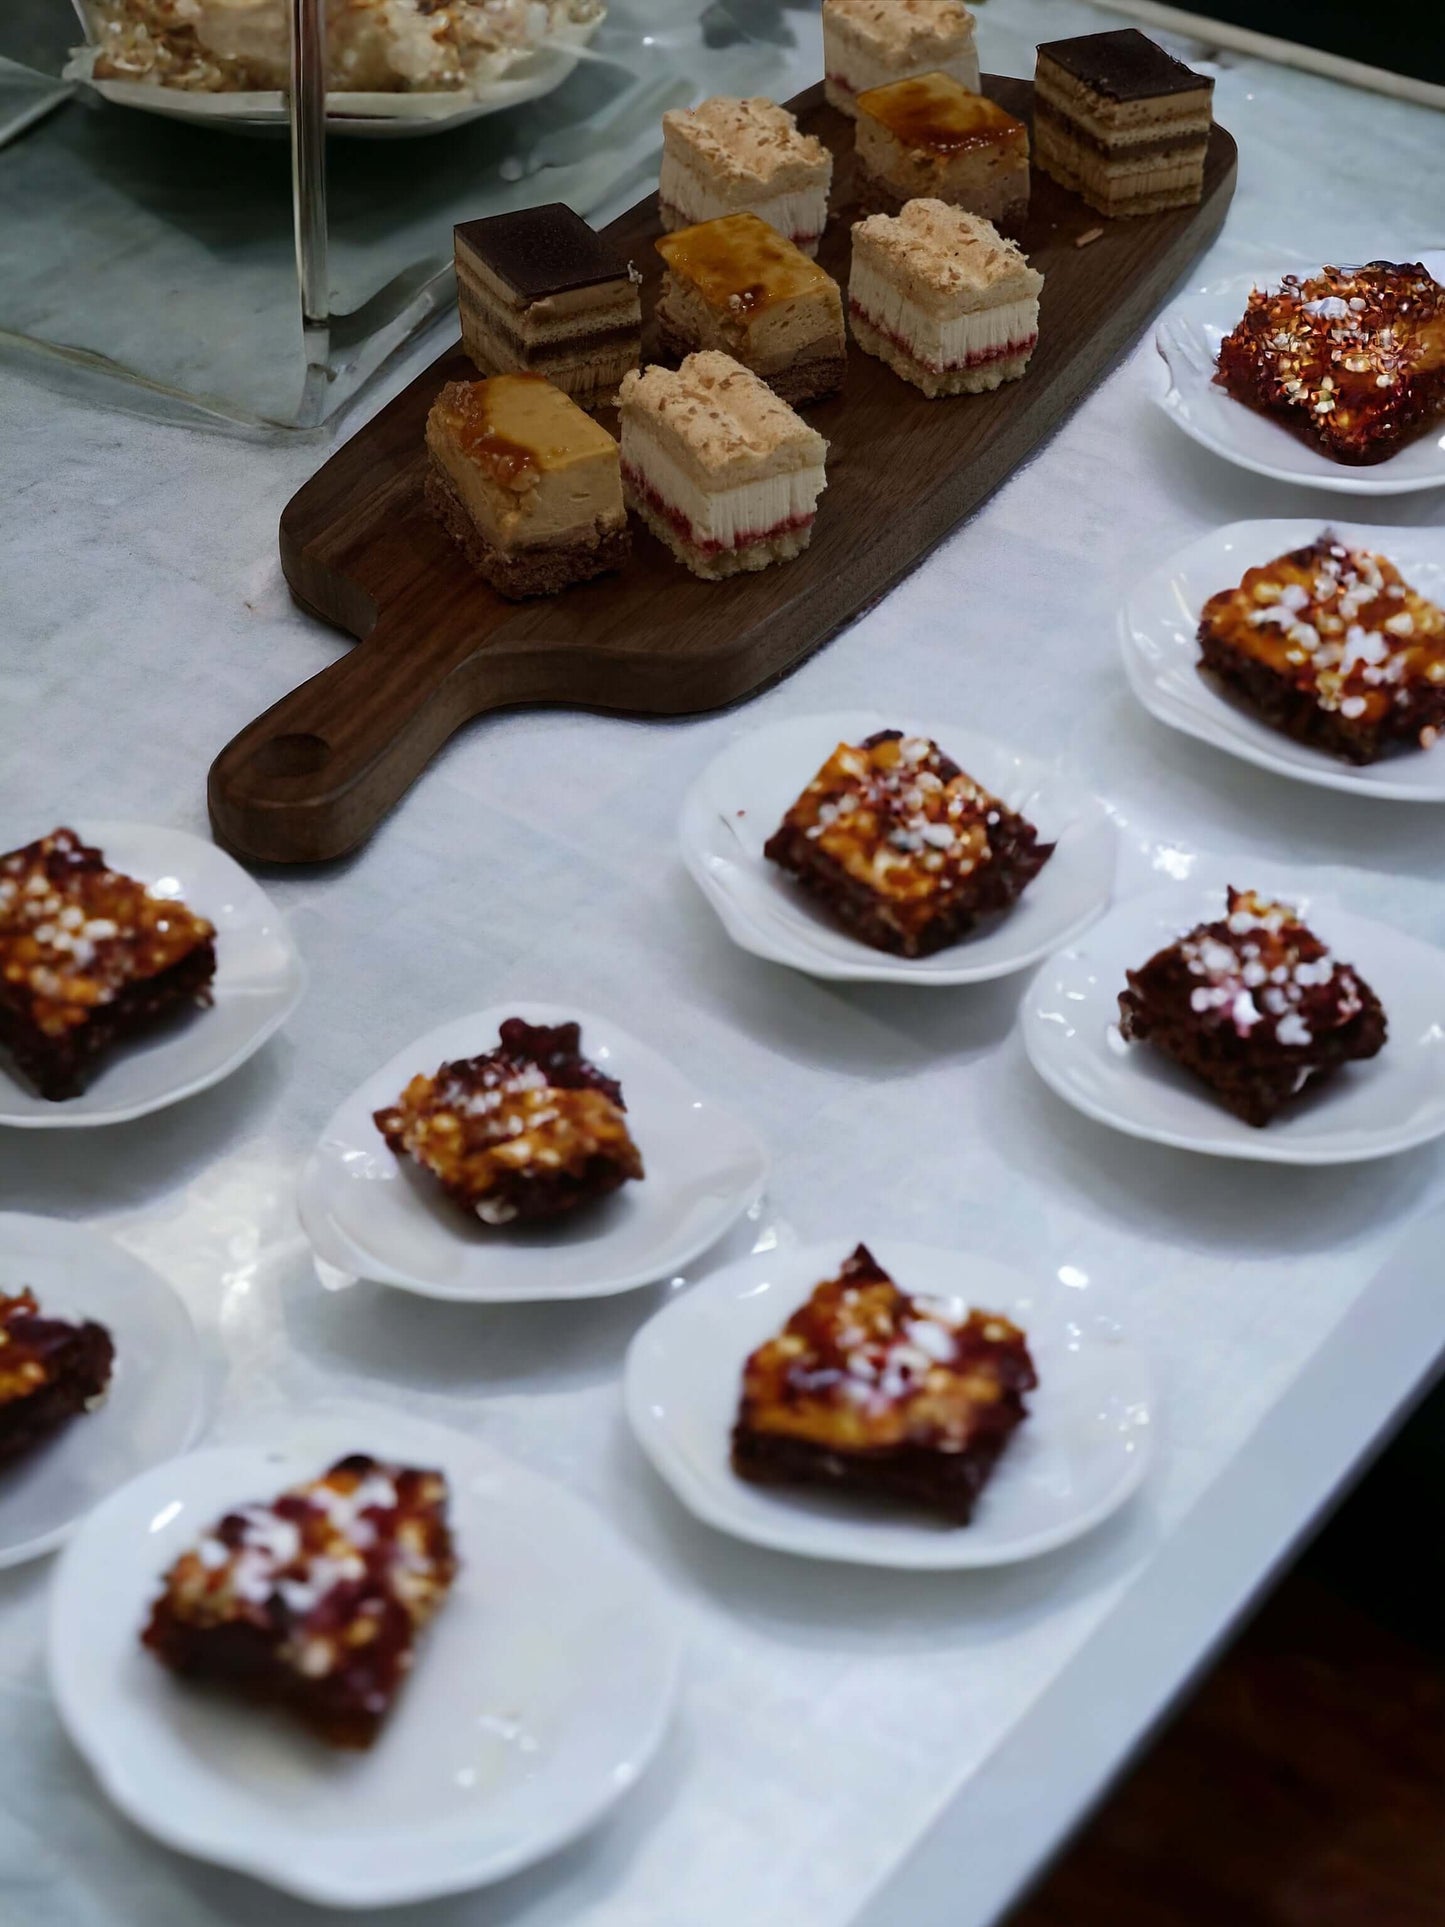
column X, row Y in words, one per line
column 931, row 138
column 744, row 157
column 541, row 293
column 867, row 43
column 718, row 466
column 1121, row 122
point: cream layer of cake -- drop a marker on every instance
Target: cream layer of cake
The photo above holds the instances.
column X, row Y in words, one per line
column 867, row 43
column 732, row 156
column 584, row 340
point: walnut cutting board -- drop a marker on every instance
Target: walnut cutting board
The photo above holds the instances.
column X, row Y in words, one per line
column 312, row 777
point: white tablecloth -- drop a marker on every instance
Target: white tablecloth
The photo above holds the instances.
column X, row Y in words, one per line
column 826, row 1714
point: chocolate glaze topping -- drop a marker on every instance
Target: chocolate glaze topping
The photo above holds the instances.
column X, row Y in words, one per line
column 539, row 251
column 1126, row 65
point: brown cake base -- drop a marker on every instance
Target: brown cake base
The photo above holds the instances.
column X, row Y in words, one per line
column 1294, row 712
column 810, row 379
column 716, row 565
column 944, row 1483
column 931, row 381
column 523, row 572
column 81, row 1366
column 61, row 1067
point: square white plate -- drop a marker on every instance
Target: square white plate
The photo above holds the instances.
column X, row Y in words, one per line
column 741, row 797
column 1369, row 1110
column 153, row 1406
column 1082, row 1450
column 1159, row 625
column 259, row 981
column 541, row 1689
column 377, row 1216
column 1188, row 337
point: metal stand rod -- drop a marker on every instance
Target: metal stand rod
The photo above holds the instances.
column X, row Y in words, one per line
column 308, row 197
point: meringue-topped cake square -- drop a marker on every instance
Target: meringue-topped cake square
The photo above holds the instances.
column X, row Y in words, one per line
column 744, row 156
column 867, row 43
column 737, row 285
column 871, row 1390
column 929, row 137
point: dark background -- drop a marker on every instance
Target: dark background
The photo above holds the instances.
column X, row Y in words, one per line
column 1405, row 36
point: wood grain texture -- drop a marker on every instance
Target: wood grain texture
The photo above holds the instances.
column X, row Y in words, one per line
column 312, row 777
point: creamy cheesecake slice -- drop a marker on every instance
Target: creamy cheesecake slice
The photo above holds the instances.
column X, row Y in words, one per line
column 744, row 156
column 930, row 138
column 541, row 293
column 736, row 285
column 941, row 297
column 1122, row 122
column 717, row 466
column 527, row 485
column 868, row 43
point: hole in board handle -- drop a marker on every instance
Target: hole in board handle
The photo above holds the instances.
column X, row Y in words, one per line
column 297, row 754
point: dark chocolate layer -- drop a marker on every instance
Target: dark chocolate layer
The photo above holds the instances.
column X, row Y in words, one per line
column 1125, row 65
column 539, row 251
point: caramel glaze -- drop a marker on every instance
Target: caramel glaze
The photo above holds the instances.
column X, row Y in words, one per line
column 739, row 262
column 933, row 114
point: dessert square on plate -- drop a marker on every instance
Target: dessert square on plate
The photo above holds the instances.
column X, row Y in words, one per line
column 540, row 292
column 1352, row 358
column 867, row 43
column 51, row 1370
column 904, row 849
column 525, row 483
column 1122, row 122
column 529, row 1130
column 731, row 156
column 1255, row 1006
column 314, row 1600
column 868, row 1389
column 718, row 466
column 1330, row 645
column 89, row 958
column 737, row 285
column 930, row 138
column 941, row 297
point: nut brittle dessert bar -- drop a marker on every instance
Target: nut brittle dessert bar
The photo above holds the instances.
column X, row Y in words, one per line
column 89, row 958
column 1354, row 358
column 731, row 156
column 931, row 139
column 1254, row 1005
column 867, row 43
column 737, row 286
column 903, row 849
column 1330, row 645
column 528, row 1130
column 51, row 1370
column 870, row 1390
column 314, row 1602
column 1122, row 122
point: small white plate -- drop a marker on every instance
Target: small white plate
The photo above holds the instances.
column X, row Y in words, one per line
column 259, row 982
column 1370, row 1110
column 373, row 1215
column 541, row 1689
column 742, row 796
column 1082, row 1450
column 1159, row 624
column 155, row 1402
column 1188, row 337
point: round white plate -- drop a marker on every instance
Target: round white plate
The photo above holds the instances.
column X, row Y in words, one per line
column 259, row 982
column 155, row 1402
column 1082, row 1450
column 1369, row 1110
column 1159, row 623
column 373, row 1215
column 1188, row 337
column 541, row 1689
column 378, row 116
column 741, row 797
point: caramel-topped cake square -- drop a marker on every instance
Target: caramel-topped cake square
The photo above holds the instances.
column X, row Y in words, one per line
column 744, row 157
column 1121, row 122
column 868, row 1389
column 1354, row 358
column 929, row 138
column 315, row 1600
column 903, row 849
column 1331, row 645
column 525, row 483
column 737, row 286
column 1255, row 1006
column 867, row 43
column 541, row 293
column 943, row 298
column 528, row 1130
column 718, row 466
column 89, row 958
column 51, row 1370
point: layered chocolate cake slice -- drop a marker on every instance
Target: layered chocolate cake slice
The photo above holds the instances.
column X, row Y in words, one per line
column 870, row 1390
column 1121, row 122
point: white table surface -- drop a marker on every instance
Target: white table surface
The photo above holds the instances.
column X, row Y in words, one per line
column 828, row 1717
